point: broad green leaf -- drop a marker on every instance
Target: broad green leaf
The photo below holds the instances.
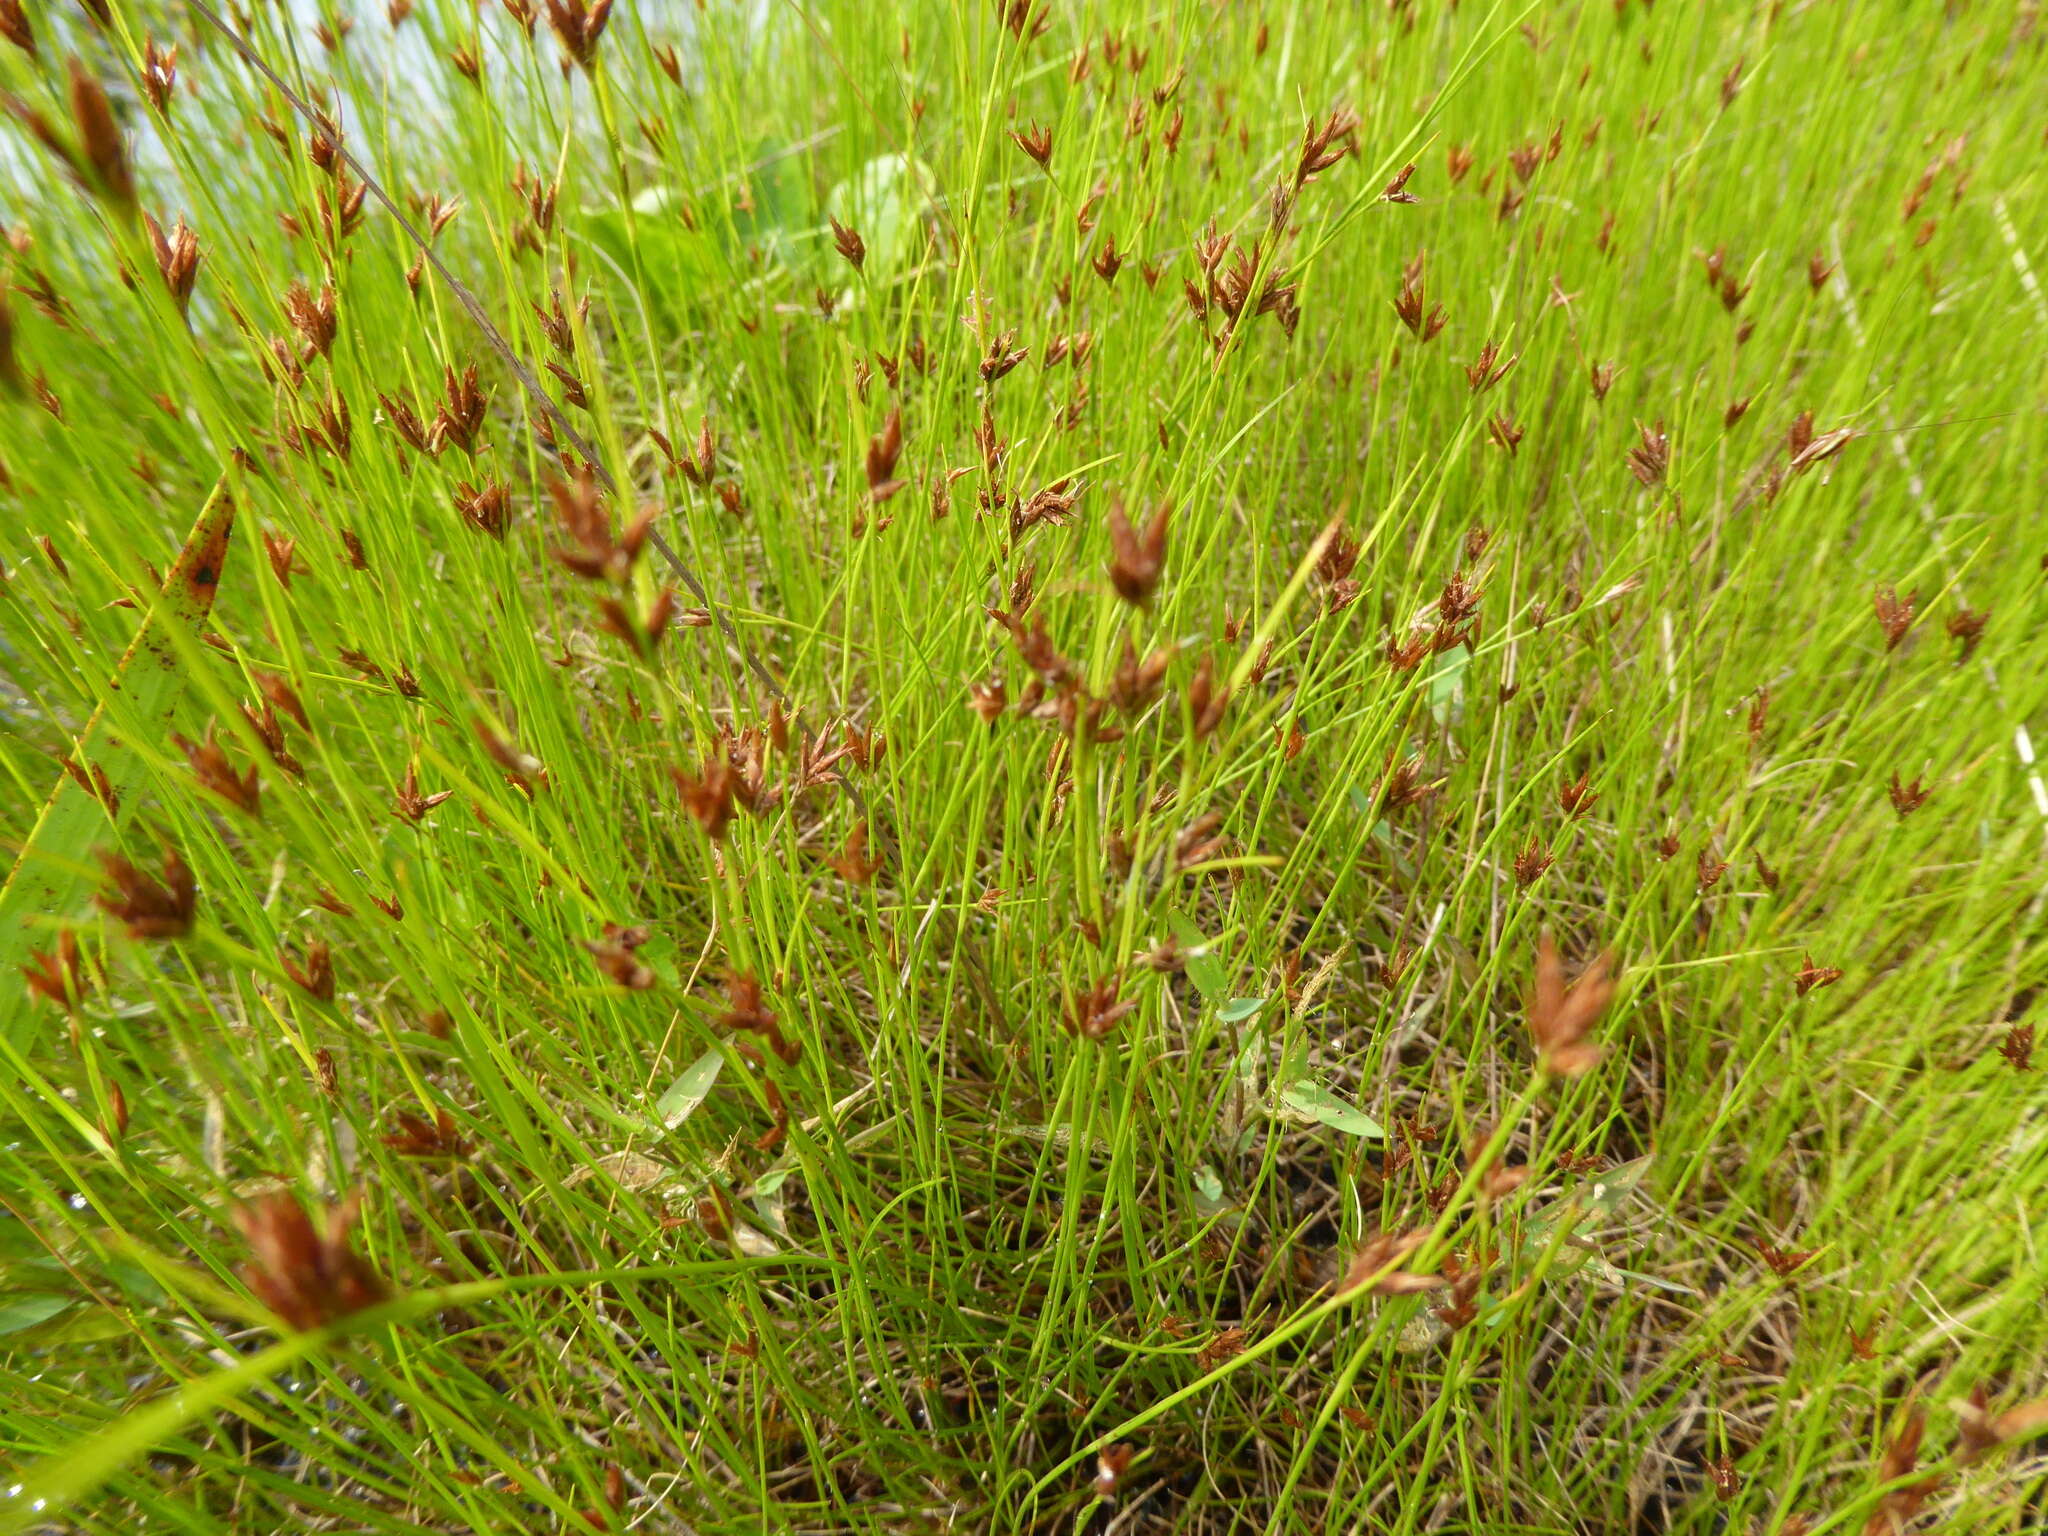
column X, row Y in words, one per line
column 1246, row 1068
column 52, row 872
column 1209, row 1199
column 81, row 1325
column 884, row 201
column 689, row 1090
column 1447, row 685
column 1309, row 1100
column 21, row 1312
column 1204, row 969
column 1240, row 1008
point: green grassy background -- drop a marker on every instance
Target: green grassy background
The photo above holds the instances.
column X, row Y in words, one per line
column 988, row 1247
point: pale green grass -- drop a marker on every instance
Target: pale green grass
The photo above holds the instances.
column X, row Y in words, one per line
column 987, row 1249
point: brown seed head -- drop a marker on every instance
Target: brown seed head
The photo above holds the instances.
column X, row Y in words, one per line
column 1376, row 1266
column 159, row 72
column 1651, row 456
column 614, row 956
column 1894, row 613
column 1326, row 143
column 848, row 243
column 1897, row 1508
column 1486, row 370
column 1966, row 627
column 1809, row 976
column 57, row 978
column 1532, row 861
column 883, row 452
column 708, row 796
column 1036, row 141
column 210, row 766
column 148, row 909
column 314, row 318
column 1711, row 869
column 1576, row 797
column 409, row 804
column 315, row 976
column 1137, row 556
column 417, row 1136
column 1206, row 700
column 99, row 139
column 1561, row 1017
column 577, row 26
column 15, row 28
column 852, row 862
column 1403, row 785
column 1907, row 798
column 1092, row 1013
column 308, row 1277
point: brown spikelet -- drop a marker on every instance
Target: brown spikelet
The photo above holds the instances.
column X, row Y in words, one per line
column 1576, row 797
column 315, row 975
column 614, row 955
column 745, row 1014
column 147, row 908
column 159, row 72
column 1966, row 627
column 408, row 804
column 1896, row 1509
column 313, row 317
column 709, row 795
column 56, row 978
column 1325, row 144
column 1894, row 613
column 1561, row 1016
column 884, row 450
column 1486, row 370
column 308, row 1277
column 1137, row 555
column 1376, row 1266
column 1811, row 976
column 577, row 26
column 210, row 766
column 15, row 28
column 486, row 508
column 1207, row 702
column 1532, row 861
column 852, row 862
column 1979, row 1431
column 99, row 138
column 1092, row 1012
column 1651, row 456
column 848, row 243
column 177, row 257
column 13, row 382
column 1907, row 798
column 281, row 693
column 1035, row 141
column 416, row 1136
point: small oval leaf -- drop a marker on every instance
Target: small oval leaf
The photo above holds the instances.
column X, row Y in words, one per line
column 689, row 1090
column 1310, row 1100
